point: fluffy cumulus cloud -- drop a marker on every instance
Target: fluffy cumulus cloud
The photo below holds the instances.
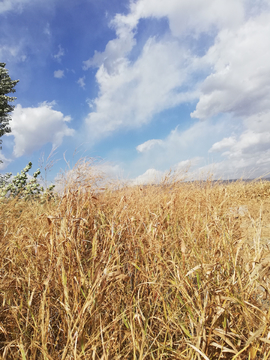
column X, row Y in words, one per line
column 133, row 93
column 34, row 127
column 115, row 51
column 187, row 16
column 240, row 80
column 215, row 54
column 223, row 144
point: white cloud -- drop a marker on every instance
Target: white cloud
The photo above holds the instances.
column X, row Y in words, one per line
column 186, row 164
column 225, row 143
column 133, row 93
column 151, row 176
column 81, row 82
column 245, row 153
column 166, row 71
column 117, row 49
column 259, row 122
column 229, row 78
column 180, row 148
column 12, row 53
column 198, row 138
column 114, row 53
column 58, row 74
column 60, row 54
column 34, row 127
column 239, row 82
column 181, row 171
column 149, row 144
column 5, row 162
column 251, row 149
column 186, row 16
column 7, row 5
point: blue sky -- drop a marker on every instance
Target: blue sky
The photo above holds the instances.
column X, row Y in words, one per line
column 146, row 85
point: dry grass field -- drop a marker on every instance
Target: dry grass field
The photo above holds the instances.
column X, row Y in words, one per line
column 175, row 271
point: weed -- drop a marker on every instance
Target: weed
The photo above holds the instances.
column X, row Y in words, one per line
column 19, row 187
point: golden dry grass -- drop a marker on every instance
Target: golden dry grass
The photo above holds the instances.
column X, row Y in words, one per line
column 175, row 271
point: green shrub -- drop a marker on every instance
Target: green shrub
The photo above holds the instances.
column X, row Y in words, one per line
column 23, row 189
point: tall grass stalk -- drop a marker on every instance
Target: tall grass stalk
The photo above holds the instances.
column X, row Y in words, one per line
column 175, row 271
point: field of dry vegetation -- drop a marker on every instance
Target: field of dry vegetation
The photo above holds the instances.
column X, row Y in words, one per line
column 175, row 271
